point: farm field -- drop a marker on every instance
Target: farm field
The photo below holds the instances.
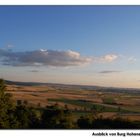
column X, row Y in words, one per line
column 81, row 100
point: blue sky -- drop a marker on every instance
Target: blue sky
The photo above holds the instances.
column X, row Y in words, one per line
column 92, row 45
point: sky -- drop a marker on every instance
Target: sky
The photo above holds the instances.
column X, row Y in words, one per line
column 87, row 45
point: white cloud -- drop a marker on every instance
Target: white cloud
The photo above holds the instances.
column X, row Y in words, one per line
column 132, row 59
column 50, row 58
column 43, row 58
column 108, row 58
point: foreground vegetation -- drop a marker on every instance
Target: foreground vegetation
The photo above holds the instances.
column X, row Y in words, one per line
column 22, row 116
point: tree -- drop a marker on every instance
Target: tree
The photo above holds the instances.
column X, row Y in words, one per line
column 94, row 110
column 21, row 113
column 119, row 109
column 6, row 106
column 25, row 102
column 19, row 102
column 39, row 105
column 53, row 117
column 84, row 122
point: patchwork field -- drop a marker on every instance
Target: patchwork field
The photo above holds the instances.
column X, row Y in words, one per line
column 80, row 99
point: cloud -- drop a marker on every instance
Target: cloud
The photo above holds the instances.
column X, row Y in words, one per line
column 132, row 59
column 33, row 71
column 109, row 58
column 43, row 58
column 109, row 71
column 9, row 46
column 50, row 58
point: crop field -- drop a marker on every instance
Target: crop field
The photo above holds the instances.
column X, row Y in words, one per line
column 80, row 100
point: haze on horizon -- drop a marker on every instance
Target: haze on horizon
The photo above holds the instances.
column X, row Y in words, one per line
column 88, row 45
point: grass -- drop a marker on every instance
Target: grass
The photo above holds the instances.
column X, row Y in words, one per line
column 109, row 101
column 134, row 109
column 89, row 105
